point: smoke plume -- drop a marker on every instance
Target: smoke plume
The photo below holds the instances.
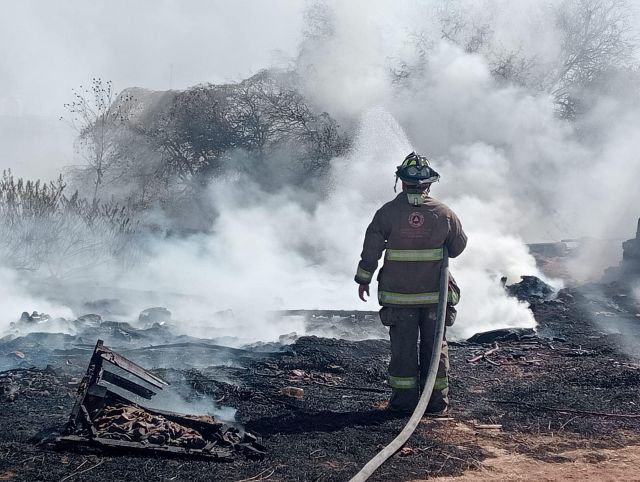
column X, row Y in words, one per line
column 16, row 297
column 483, row 90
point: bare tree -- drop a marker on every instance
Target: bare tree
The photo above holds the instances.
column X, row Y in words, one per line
column 472, row 36
column 597, row 37
column 597, row 42
column 197, row 132
column 271, row 113
column 164, row 148
column 99, row 116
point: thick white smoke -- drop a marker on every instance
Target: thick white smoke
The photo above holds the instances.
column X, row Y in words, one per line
column 269, row 252
column 559, row 176
column 15, row 297
column 511, row 169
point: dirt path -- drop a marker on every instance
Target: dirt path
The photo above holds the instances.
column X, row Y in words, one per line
column 546, row 461
column 580, row 465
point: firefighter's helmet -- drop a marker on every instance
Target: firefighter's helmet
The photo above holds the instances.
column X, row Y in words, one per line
column 415, row 171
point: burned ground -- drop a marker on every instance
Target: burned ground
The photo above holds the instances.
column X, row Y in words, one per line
column 538, row 388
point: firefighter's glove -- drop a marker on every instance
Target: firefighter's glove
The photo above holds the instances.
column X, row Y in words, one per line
column 451, row 315
column 362, row 289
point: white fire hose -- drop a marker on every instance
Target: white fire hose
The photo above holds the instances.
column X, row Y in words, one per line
column 397, row 443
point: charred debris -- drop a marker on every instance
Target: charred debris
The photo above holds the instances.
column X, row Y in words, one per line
column 630, row 265
column 569, row 377
column 105, row 417
column 312, row 407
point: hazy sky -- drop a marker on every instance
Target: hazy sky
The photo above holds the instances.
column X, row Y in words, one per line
column 50, row 46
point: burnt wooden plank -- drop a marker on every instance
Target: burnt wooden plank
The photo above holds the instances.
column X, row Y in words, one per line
column 220, row 454
column 133, row 368
column 97, row 391
column 127, row 385
column 88, row 422
column 95, row 365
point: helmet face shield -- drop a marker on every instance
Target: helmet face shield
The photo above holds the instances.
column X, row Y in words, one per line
column 415, row 170
column 420, row 171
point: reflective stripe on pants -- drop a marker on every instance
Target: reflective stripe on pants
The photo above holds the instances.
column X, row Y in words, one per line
column 409, row 362
column 403, row 383
column 441, row 383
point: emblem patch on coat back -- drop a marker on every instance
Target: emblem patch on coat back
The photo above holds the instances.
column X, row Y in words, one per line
column 416, row 219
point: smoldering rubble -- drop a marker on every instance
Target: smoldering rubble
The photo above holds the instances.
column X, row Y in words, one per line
column 315, row 405
column 256, row 193
column 104, row 417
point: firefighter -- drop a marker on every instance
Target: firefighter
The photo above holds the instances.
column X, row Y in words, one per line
column 412, row 229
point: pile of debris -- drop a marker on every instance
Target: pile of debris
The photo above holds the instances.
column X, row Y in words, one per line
column 27, row 382
column 631, row 255
column 129, row 422
column 523, row 351
column 103, row 418
column 153, row 430
column 34, row 317
column 503, row 334
column 319, row 404
column 531, row 288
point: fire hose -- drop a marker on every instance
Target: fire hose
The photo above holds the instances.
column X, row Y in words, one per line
column 397, row 443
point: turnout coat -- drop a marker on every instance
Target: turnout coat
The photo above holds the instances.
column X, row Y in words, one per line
column 411, row 230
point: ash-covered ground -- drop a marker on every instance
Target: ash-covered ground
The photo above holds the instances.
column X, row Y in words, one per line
column 573, row 384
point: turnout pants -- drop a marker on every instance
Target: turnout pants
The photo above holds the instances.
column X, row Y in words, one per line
column 412, row 331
